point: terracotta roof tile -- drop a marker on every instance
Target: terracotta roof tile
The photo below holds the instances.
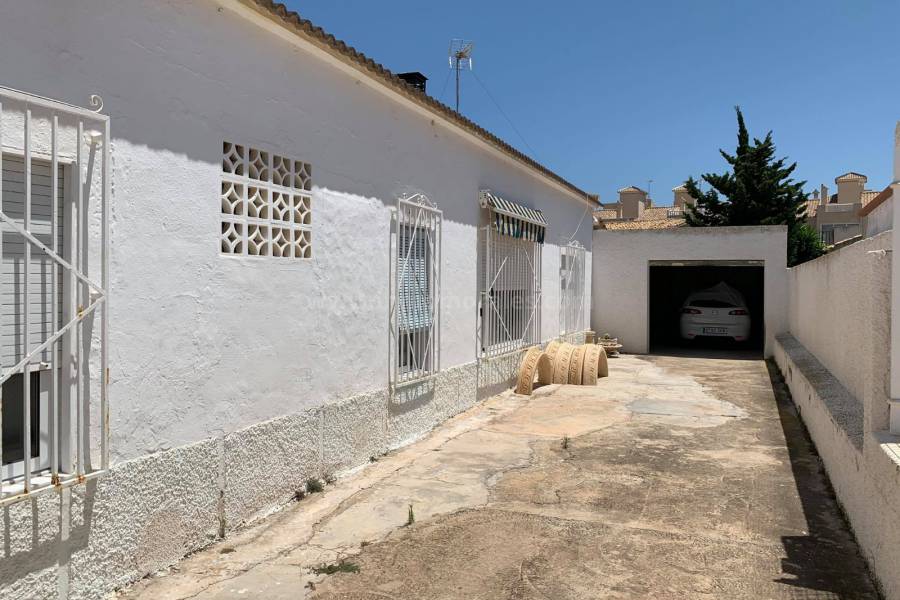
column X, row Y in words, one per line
column 631, row 188
column 341, row 50
column 812, row 205
column 868, row 196
column 652, row 218
column 850, row 176
column 877, row 200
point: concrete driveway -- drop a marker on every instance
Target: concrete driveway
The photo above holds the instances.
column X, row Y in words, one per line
column 673, row 478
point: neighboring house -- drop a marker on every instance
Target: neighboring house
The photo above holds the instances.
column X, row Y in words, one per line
column 836, row 217
column 265, row 259
column 635, row 210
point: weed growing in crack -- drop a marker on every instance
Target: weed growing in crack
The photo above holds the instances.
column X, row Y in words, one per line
column 411, row 517
column 314, row 486
column 565, row 442
column 338, row 567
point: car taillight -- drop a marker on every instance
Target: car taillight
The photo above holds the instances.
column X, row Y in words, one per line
column 739, row 311
column 691, row 311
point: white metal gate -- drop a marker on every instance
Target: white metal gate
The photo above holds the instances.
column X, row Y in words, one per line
column 509, row 305
column 415, row 288
column 571, row 289
column 49, row 334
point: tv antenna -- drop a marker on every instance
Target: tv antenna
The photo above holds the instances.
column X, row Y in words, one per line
column 460, row 58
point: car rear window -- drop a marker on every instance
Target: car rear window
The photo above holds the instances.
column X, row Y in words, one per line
column 710, row 303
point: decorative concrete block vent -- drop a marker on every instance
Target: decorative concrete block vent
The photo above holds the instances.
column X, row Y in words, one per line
column 561, row 363
column 266, row 203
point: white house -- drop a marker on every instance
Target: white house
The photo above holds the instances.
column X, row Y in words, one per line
column 270, row 260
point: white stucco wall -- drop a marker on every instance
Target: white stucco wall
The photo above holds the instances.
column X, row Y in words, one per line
column 621, row 273
column 880, row 219
column 835, row 361
column 234, row 379
column 204, row 344
column 831, row 308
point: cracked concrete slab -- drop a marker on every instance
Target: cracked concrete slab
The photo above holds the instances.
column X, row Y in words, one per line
column 672, row 478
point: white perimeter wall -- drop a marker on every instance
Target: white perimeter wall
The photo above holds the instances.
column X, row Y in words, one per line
column 203, row 344
column 621, row 273
column 881, row 219
column 835, row 301
column 836, row 362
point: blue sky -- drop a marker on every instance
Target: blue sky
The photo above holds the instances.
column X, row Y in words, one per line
column 613, row 93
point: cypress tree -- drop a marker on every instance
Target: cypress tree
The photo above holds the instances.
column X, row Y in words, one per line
column 758, row 190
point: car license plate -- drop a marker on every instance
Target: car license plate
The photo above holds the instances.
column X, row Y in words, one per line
column 714, row 330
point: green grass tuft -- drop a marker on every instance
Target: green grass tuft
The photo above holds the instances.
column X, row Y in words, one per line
column 339, row 567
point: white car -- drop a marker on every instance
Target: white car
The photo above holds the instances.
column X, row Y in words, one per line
column 719, row 311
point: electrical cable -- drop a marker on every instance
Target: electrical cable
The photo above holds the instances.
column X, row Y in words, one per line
column 527, row 145
column 508, row 120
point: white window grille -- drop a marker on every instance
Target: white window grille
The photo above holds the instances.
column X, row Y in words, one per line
column 54, row 159
column 415, row 284
column 571, row 289
column 509, row 306
column 266, row 204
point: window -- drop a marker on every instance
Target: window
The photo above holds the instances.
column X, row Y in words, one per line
column 832, row 233
column 13, row 425
column 571, row 289
column 14, row 345
column 415, row 290
column 55, row 429
column 509, row 305
column 266, row 204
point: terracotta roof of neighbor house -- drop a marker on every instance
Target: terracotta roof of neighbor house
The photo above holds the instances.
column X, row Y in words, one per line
column 812, row 204
column 348, row 54
column 875, row 201
column 680, row 188
column 868, row 196
column 651, row 218
column 631, row 188
column 850, row 176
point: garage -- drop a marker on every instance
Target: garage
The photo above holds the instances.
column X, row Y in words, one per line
column 641, row 278
column 706, row 305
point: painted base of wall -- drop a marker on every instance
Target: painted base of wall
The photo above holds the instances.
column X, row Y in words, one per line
column 864, row 468
column 148, row 513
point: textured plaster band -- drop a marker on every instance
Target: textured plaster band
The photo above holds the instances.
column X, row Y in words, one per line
column 147, row 513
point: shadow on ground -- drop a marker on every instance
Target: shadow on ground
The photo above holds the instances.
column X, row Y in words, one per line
column 813, row 560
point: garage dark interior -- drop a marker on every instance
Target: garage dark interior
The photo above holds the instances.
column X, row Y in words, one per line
column 670, row 285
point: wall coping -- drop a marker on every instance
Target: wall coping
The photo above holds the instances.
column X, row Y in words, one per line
column 845, row 409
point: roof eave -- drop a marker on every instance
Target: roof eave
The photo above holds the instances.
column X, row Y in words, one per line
column 346, row 54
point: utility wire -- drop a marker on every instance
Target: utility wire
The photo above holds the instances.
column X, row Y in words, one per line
column 444, row 88
column 527, row 145
column 508, row 120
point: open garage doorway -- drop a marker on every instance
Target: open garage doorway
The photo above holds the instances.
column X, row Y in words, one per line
column 707, row 308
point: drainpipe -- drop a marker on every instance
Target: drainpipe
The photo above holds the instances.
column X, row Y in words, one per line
column 895, row 289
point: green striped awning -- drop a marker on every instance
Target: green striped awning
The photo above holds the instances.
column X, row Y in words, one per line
column 514, row 219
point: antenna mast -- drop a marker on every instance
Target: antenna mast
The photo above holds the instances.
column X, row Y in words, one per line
column 460, row 58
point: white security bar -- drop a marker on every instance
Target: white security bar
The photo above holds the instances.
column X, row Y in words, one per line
column 510, row 294
column 415, row 284
column 571, row 289
column 58, row 457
